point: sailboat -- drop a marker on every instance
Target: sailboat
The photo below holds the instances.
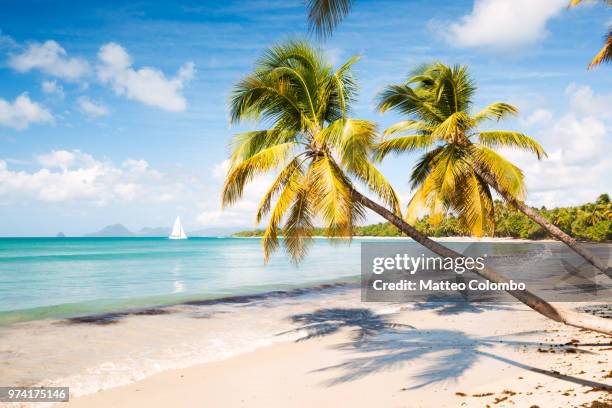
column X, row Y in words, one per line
column 177, row 231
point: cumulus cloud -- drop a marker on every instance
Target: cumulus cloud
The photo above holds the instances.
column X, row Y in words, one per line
column 74, row 176
column 502, row 23
column 91, row 108
column 147, row 85
column 50, row 58
column 64, row 159
column 136, row 165
column 584, row 102
column 578, row 143
column 52, row 88
column 20, row 113
column 539, row 116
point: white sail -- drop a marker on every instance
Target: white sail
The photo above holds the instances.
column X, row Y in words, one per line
column 177, row 230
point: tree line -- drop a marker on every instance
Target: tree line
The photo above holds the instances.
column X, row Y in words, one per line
column 589, row 222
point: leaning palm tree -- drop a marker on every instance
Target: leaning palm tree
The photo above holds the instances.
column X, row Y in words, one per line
column 325, row 15
column 318, row 155
column 312, row 143
column 460, row 164
column 605, row 54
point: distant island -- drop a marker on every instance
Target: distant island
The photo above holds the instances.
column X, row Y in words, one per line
column 590, row 222
column 120, row 231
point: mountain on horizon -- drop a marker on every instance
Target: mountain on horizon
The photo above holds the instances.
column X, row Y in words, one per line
column 115, row 230
column 120, row 231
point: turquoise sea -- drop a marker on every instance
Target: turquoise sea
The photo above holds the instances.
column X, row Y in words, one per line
column 44, row 278
column 60, row 277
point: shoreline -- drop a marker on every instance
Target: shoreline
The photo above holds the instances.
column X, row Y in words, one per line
column 441, row 239
column 411, row 353
column 304, row 341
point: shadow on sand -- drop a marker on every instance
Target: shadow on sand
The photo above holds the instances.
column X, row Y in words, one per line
column 383, row 345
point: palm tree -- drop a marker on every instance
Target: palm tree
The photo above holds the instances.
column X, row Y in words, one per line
column 312, row 143
column 316, row 153
column 605, row 54
column 460, row 164
column 325, row 15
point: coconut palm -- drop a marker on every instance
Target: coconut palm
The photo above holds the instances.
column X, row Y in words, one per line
column 318, row 154
column 325, row 15
column 460, row 164
column 311, row 143
column 605, row 54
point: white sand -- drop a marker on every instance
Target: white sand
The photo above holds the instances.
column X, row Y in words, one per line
column 498, row 356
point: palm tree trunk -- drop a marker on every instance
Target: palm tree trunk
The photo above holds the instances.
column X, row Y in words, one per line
column 552, row 229
column 555, row 313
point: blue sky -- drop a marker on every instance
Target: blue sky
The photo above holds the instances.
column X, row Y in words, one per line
column 117, row 113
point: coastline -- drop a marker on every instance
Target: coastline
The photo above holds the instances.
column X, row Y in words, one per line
column 410, row 356
column 439, row 239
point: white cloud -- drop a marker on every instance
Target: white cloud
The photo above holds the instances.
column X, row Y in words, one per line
column 147, row 85
column 502, row 23
column 50, row 58
column 20, row 113
column 64, row 159
column 578, row 143
column 74, row 176
column 584, row 102
column 538, row 117
column 52, row 87
column 220, row 169
column 91, row 108
column 136, row 165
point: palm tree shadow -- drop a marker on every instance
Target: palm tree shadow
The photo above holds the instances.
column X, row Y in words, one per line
column 449, row 307
column 323, row 322
column 383, row 345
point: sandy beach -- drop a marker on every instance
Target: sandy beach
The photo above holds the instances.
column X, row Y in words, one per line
column 340, row 352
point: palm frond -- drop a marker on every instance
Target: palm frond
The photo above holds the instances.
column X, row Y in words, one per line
column 423, row 166
column 605, row 54
column 474, row 205
column 243, row 172
column 496, row 111
column 283, row 204
column 288, row 178
column 299, row 226
column 453, row 127
column 425, row 200
column 408, row 125
column 509, row 176
column 402, row 144
column 325, row 15
column 334, row 204
column 245, row 145
column 498, row 138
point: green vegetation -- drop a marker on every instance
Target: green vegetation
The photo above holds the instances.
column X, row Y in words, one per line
column 592, row 221
column 459, row 165
column 311, row 143
column 458, row 160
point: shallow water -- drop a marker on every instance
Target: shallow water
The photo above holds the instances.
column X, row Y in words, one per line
column 56, row 278
column 97, row 313
column 50, row 278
